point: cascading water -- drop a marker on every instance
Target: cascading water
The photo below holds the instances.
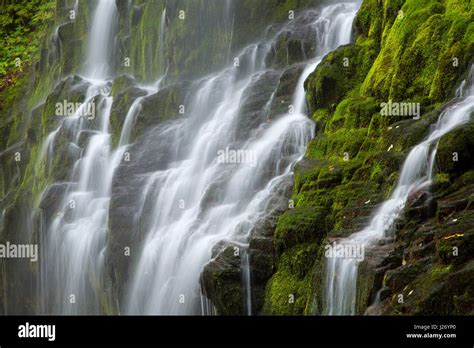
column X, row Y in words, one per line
column 201, row 199
column 417, row 171
column 74, row 242
column 162, row 40
column 101, row 39
column 166, row 199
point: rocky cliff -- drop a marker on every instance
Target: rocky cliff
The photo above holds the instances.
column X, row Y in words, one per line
column 404, row 50
column 417, row 51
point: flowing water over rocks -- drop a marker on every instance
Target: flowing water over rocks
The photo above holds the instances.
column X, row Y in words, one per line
column 197, row 167
column 416, row 175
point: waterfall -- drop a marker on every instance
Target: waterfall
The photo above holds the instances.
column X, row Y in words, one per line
column 101, row 39
column 73, row 245
column 217, row 184
column 202, row 197
column 417, row 171
column 162, row 41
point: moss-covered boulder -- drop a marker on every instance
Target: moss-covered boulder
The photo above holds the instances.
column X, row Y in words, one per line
column 424, row 52
column 282, row 100
column 403, row 50
column 166, row 104
column 454, row 154
column 299, row 225
column 338, row 73
column 254, row 100
column 289, row 289
column 125, row 92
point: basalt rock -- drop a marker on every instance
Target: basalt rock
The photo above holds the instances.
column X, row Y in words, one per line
column 221, row 281
column 454, row 154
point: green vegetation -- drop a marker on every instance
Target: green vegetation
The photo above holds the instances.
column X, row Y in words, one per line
column 22, row 26
column 405, row 50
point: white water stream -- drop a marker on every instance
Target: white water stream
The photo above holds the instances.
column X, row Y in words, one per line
column 417, row 171
column 198, row 200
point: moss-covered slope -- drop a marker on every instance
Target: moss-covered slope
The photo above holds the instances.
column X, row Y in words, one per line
column 404, row 50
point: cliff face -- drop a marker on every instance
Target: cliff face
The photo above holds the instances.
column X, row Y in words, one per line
column 404, row 51
column 182, row 38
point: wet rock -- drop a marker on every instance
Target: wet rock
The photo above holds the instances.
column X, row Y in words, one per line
column 224, row 275
column 399, row 278
column 450, row 294
column 283, row 98
column 125, row 92
column 124, row 226
column 454, row 241
column 221, row 282
column 51, row 199
column 454, row 154
column 84, row 137
column 64, row 156
column 261, row 259
column 137, row 13
column 159, row 107
column 456, row 201
column 72, row 89
column 70, row 47
column 20, row 290
column 370, row 276
column 34, row 124
column 254, row 109
column 337, row 74
column 300, row 225
column 409, row 132
column 294, row 45
column 420, row 205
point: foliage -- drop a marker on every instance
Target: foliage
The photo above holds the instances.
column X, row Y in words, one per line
column 403, row 50
column 22, row 23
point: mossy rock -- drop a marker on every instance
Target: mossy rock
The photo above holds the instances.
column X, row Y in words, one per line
column 299, row 225
column 338, row 73
column 448, row 292
column 253, row 101
column 402, row 276
column 161, row 106
column 455, row 240
column 283, row 97
column 289, row 290
column 72, row 89
column 293, row 46
column 125, row 92
column 454, row 155
column 417, row 50
column 121, row 84
column 221, row 281
column 409, row 132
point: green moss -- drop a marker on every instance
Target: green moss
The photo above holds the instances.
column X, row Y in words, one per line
column 299, row 225
column 417, row 55
column 403, row 50
column 454, row 155
column 289, row 290
column 441, row 290
column 455, row 247
column 339, row 72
